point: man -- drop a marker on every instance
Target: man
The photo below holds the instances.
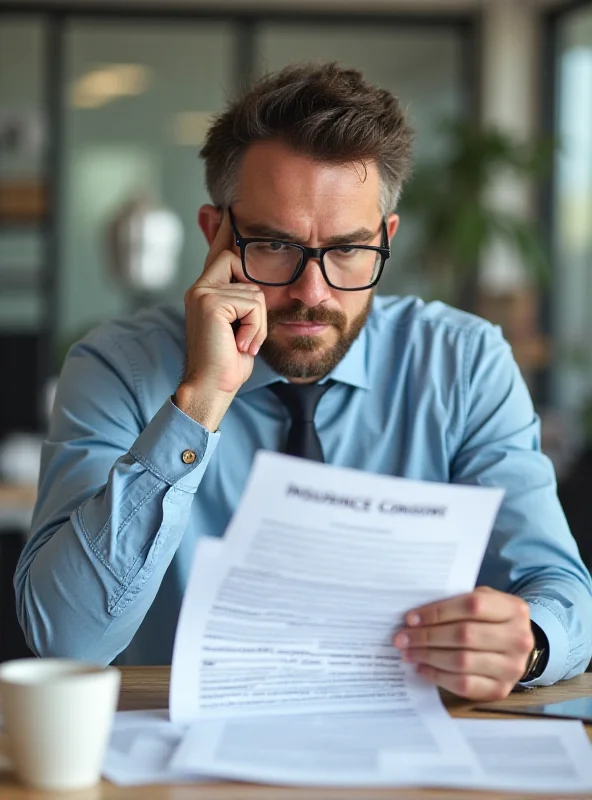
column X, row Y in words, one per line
column 304, row 172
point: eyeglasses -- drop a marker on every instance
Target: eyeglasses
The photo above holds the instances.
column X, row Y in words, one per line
column 349, row 268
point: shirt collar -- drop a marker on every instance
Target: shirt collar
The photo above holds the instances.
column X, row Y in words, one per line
column 352, row 369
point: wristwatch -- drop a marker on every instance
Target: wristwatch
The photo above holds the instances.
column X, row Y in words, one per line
column 539, row 655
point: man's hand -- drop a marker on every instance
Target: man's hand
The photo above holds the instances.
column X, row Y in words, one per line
column 475, row 645
column 218, row 362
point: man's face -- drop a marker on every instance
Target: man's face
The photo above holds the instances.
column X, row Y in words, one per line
column 293, row 198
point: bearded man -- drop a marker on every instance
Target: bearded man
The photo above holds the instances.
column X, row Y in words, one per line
column 284, row 346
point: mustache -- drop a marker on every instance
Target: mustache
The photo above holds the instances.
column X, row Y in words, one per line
column 302, row 313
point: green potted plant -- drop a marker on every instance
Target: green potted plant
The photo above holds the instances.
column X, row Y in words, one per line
column 448, row 197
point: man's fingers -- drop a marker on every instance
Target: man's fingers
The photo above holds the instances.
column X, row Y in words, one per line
column 475, row 645
column 223, row 240
column 252, row 332
column 488, row 606
column 475, row 687
column 467, row 635
column 230, row 304
column 221, row 264
column 470, row 662
column 212, row 296
column 246, row 309
column 226, row 268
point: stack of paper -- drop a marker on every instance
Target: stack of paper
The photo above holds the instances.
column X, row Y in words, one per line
column 284, row 670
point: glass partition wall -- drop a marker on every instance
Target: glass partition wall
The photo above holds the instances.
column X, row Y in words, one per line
column 137, row 98
column 23, row 126
column 25, row 236
column 571, row 226
column 570, row 295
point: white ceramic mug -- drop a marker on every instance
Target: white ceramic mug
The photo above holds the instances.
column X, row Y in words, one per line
column 58, row 714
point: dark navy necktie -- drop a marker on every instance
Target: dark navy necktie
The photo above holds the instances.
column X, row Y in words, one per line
column 302, row 400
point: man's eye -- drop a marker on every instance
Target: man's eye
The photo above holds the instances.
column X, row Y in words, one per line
column 269, row 248
column 346, row 250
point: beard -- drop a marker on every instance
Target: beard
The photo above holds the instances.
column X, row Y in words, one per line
column 308, row 356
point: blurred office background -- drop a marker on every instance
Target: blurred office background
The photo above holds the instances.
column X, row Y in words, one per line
column 104, row 105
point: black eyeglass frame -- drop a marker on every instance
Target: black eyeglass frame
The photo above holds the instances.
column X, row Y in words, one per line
column 312, row 252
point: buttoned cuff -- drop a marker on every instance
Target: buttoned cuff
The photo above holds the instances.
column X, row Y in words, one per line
column 175, row 447
column 558, row 640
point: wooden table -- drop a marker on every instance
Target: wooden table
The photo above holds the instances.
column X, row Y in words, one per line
column 147, row 687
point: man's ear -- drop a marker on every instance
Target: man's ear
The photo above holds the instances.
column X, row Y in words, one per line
column 209, row 219
column 392, row 225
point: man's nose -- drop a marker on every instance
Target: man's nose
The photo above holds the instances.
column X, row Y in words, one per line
column 311, row 288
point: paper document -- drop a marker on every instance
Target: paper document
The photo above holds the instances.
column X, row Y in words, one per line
column 529, row 755
column 513, row 755
column 293, row 613
column 284, row 671
column 140, row 749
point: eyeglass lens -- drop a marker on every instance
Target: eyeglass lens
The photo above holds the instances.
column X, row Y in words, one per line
column 276, row 262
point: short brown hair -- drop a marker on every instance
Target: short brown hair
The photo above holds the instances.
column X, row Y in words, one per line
column 324, row 111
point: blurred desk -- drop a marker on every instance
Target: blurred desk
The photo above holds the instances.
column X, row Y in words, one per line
column 147, row 687
column 16, row 506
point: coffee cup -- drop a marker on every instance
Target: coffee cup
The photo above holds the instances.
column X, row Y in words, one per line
column 57, row 715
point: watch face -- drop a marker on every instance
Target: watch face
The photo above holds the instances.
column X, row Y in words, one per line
column 530, row 664
column 540, row 654
column 535, row 666
column 537, row 661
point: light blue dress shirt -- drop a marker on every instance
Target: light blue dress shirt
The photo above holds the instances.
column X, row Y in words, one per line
column 425, row 392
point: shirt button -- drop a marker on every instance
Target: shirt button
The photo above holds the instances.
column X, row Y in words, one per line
column 188, row 456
